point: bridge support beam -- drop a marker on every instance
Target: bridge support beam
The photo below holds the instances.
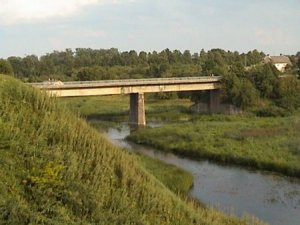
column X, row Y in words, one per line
column 137, row 115
column 214, row 101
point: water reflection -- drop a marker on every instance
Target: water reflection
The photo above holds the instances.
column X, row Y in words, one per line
column 273, row 198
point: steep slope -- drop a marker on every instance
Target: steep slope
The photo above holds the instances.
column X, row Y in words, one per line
column 55, row 169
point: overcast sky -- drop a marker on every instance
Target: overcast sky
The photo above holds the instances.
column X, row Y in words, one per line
column 41, row 26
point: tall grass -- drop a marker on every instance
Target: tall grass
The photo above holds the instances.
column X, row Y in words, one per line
column 56, row 169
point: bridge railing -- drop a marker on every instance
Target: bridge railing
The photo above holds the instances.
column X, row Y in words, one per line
column 143, row 80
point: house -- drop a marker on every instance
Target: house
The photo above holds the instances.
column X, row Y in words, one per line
column 280, row 62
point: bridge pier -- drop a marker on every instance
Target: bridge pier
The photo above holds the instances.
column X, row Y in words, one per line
column 214, row 101
column 137, row 115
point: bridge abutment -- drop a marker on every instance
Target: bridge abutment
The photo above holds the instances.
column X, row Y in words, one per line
column 214, row 101
column 137, row 115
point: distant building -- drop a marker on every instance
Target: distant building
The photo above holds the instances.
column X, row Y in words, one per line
column 280, row 62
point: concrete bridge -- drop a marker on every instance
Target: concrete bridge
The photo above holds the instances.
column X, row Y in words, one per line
column 136, row 88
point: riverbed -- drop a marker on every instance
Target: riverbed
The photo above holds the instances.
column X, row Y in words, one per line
column 235, row 190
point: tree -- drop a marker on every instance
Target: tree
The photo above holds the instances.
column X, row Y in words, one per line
column 218, row 58
column 143, row 58
column 195, row 58
column 289, row 93
column 171, row 57
column 133, row 58
column 177, row 56
column 93, row 73
column 161, row 70
column 163, row 57
column 238, row 69
column 31, row 66
column 238, row 91
column 5, row 67
column 202, row 56
column 153, row 58
column 57, row 62
column 85, row 73
column 83, row 57
column 248, row 95
column 47, row 64
column 265, row 80
column 17, row 65
column 254, row 57
column 214, row 62
column 187, row 57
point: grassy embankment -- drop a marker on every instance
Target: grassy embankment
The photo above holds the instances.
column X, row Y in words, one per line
column 263, row 143
column 56, row 169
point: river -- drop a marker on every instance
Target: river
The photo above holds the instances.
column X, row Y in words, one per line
column 269, row 197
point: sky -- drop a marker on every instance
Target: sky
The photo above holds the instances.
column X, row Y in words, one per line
column 42, row 26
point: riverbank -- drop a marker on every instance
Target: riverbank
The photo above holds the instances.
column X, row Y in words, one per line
column 262, row 143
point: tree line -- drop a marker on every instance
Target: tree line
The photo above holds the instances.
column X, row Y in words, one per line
column 247, row 81
column 86, row 63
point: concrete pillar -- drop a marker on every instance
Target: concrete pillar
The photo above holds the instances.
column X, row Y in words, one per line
column 214, row 101
column 137, row 115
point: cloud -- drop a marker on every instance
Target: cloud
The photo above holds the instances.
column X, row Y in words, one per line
column 28, row 11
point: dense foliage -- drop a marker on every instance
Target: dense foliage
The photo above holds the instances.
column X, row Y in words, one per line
column 56, row 169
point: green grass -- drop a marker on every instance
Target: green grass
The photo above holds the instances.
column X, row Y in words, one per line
column 56, row 169
column 263, row 143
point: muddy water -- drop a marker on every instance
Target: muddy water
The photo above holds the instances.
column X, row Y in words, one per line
column 272, row 198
